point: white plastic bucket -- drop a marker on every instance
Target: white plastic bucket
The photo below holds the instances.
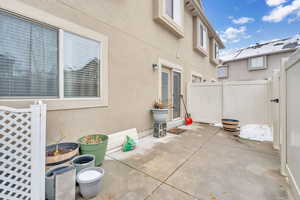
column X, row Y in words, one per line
column 89, row 180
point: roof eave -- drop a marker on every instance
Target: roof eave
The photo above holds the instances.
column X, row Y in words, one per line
column 199, row 12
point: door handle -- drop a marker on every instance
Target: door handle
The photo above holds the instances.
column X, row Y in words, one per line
column 276, row 100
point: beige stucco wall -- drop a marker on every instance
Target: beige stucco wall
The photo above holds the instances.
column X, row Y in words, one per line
column 136, row 42
column 238, row 70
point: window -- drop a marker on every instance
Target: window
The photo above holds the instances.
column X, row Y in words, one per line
column 28, row 59
column 81, row 66
column 216, row 54
column 196, row 79
column 39, row 61
column 201, row 37
column 222, row 72
column 257, row 63
column 170, row 14
column 170, row 8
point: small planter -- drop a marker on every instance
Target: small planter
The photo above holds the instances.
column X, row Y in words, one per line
column 160, row 115
column 83, row 161
column 89, row 180
column 95, row 145
column 50, row 180
column 231, row 125
column 66, row 152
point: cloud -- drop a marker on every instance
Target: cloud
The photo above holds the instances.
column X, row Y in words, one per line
column 233, row 35
column 243, row 20
column 281, row 12
column 275, row 2
column 296, row 18
column 259, row 31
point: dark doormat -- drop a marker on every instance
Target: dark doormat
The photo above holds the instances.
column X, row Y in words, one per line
column 176, row 131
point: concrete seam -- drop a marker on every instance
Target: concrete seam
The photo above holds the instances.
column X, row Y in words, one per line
column 180, row 165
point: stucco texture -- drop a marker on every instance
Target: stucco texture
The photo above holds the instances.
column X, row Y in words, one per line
column 238, row 70
column 136, row 42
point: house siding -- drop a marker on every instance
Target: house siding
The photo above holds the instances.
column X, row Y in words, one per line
column 238, row 70
column 136, row 42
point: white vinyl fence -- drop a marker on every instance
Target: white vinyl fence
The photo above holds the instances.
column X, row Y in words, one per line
column 289, row 123
column 22, row 153
column 247, row 101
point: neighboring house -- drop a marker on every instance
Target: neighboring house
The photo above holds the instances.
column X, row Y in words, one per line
column 100, row 65
column 257, row 62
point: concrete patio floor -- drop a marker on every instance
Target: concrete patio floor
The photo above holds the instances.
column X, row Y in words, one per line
column 203, row 163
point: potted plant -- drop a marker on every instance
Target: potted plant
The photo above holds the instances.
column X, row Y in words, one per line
column 60, row 153
column 160, row 112
column 95, row 145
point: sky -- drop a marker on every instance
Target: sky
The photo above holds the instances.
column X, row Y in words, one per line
column 241, row 23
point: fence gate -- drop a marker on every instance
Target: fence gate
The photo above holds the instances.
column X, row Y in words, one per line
column 290, row 147
column 22, row 153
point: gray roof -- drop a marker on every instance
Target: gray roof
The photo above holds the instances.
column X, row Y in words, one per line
column 264, row 48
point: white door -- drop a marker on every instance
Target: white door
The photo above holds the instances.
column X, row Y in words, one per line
column 176, row 94
column 292, row 122
column 171, row 91
column 275, row 89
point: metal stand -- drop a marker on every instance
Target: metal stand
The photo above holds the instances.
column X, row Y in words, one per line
column 160, row 129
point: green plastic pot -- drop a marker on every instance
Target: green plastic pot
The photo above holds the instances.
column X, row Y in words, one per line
column 98, row 150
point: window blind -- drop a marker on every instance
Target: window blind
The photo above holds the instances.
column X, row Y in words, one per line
column 81, row 66
column 28, row 58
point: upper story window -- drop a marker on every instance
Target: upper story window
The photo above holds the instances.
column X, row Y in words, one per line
column 41, row 62
column 257, row 63
column 216, row 51
column 170, row 13
column 200, row 37
column 222, row 71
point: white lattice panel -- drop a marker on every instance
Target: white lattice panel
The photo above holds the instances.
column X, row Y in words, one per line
column 21, row 148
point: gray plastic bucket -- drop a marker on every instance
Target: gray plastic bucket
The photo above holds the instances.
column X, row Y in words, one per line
column 51, row 188
column 83, row 161
column 89, row 180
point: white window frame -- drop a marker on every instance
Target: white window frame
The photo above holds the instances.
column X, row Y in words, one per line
column 175, row 24
column 196, row 75
column 214, row 55
column 226, row 72
column 61, row 103
column 202, row 49
column 174, row 68
column 216, row 51
column 265, row 64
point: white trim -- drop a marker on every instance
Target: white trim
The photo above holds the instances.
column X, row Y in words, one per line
column 193, row 73
column 36, row 14
column 175, row 25
column 293, row 183
column 203, row 50
column 61, row 63
column 173, row 67
column 265, row 63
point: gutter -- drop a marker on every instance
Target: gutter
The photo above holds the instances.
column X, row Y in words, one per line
column 257, row 55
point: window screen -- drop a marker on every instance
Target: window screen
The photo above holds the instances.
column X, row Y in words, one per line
column 28, row 58
column 81, row 66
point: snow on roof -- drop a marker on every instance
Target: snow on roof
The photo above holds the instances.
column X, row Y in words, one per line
column 264, row 48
